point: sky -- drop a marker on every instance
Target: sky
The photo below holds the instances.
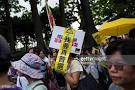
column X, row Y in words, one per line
column 51, row 3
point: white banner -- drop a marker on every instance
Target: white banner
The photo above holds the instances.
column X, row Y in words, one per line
column 57, row 38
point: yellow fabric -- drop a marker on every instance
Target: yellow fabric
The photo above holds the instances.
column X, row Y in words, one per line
column 117, row 27
column 64, row 51
column 99, row 38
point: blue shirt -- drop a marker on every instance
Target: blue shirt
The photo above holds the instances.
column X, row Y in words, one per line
column 38, row 87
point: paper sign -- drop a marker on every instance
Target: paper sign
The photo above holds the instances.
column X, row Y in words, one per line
column 57, row 38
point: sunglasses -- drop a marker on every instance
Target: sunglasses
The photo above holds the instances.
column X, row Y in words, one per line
column 117, row 66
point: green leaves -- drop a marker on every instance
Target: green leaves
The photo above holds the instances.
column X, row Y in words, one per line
column 108, row 9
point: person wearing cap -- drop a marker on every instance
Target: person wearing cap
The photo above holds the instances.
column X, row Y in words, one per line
column 5, row 57
column 30, row 66
column 121, row 65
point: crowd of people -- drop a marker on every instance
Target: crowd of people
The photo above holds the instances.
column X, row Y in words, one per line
column 34, row 71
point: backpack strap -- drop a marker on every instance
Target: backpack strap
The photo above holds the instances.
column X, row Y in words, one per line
column 84, row 71
column 37, row 85
column 20, row 82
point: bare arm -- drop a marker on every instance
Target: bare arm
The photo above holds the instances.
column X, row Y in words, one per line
column 73, row 78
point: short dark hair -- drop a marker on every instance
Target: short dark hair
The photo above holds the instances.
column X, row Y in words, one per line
column 126, row 47
column 132, row 34
column 5, row 55
column 73, row 55
column 36, row 50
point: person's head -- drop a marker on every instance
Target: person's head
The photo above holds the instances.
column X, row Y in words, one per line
column 36, row 50
column 88, row 51
column 42, row 54
column 30, row 50
column 132, row 34
column 95, row 51
column 112, row 38
column 120, row 69
column 72, row 56
column 30, row 65
column 5, row 56
column 54, row 52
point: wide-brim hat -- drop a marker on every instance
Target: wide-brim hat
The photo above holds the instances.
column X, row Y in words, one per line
column 29, row 65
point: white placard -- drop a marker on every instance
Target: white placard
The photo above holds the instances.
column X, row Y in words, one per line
column 57, row 38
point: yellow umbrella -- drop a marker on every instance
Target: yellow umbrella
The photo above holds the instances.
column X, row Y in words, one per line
column 117, row 27
column 100, row 38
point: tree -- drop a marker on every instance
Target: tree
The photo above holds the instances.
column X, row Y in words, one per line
column 37, row 24
column 62, row 7
column 9, row 25
column 23, row 30
column 6, row 21
column 104, row 10
column 71, row 12
column 65, row 13
column 89, row 26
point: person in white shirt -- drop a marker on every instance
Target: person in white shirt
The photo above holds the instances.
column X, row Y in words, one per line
column 43, row 56
column 73, row 73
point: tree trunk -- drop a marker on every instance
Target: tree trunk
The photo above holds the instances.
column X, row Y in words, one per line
column 80, row 14
column 89, row 26
column 9, row 25
column 26, row 39
column 62, row 13
column 37, row 24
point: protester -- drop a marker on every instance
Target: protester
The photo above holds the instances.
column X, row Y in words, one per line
column 59, row 79
column 5, row 58
column 44, row 57
column 53, row 57
column 29, row 65
column 73, row 73
column 121, row 65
